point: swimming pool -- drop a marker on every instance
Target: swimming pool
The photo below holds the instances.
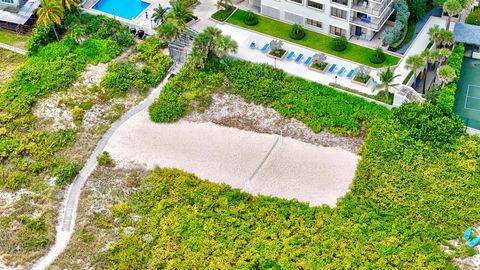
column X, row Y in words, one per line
column 467, row 96
column 127, row 9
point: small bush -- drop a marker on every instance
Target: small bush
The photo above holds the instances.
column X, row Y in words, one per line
column 77, row 114
column 251, row 19
column 339, row 44
column 39, row 37
column 474, row 17
column 65, row 172
column 297, row 32
column 378, row 56
column 104, row 159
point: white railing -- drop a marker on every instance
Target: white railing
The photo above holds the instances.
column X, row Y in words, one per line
column 12, row 48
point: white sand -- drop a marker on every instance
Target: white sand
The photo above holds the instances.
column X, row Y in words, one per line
column 294, row 170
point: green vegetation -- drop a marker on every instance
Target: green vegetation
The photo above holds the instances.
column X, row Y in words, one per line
column 407, row 79
column 446, row 99
column 222, row 14
column 414, row 189
column 312, row 39
column 318, row 106
column 474, row 17
column 13, row 39
column 297, row 32
column 378, row 57
column 9, row 63
column 104, row 159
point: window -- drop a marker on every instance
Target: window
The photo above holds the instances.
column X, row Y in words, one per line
column 315, row 5
column 339, row 13
column 337, row 31
column 314, row 23
column 341, row 2
column 7, row 1
column 297, row 1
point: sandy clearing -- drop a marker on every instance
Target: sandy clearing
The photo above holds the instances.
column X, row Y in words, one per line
column 294, row 170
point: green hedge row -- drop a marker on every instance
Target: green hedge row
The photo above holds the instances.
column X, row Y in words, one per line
column 318, row 106
column 446, row 100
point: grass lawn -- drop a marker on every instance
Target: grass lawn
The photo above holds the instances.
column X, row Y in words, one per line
column 312, row 39
column 9, row 63
column 13, row 39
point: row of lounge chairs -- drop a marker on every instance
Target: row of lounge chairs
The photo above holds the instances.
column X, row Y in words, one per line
column 298, row 59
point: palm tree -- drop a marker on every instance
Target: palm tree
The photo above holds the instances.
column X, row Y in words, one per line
column 433, row 34
column 224, row 3
column 446, row 74
column 212, row 34
column 170, row 30
column 387, row 76
column 159, row 13
column 70, row 3
column 453, row 8
column 225, row 45
column 415, row 63
column 446, row 38
column 180, row 12
column 431, row 57
column 444, row 53
column 49, row 13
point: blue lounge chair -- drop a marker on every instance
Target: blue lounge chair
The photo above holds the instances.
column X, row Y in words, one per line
column 350, row 74
column 252, row 45
column 474, row 242
column 299, row 58
column 341, row 71
column 265, row 48
column 290, row 55
column 309, row 59
column 332, row 68
column 467, row 234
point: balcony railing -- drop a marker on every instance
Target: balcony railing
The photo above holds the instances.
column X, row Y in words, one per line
column 371, row 9
column 372, row 22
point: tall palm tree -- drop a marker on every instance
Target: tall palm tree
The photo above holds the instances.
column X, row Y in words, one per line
column 433, row 33
column 446, row 74
column 453, row 8
column 212, row 34
column 387, row 76
column 446, row 38
column 159, row 13
column 49, row 13
column 415, row 63
column 444, row 53
column 431, row 57
column 225, row 45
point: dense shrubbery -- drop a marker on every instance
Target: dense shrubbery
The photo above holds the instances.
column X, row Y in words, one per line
column 378, row 56
column 339, row 44
column 318, row 106
column 446, row 99
column 393, row 34
column 122, row 76
column 474, row 17
column 104, row 159
column 407, row 198
column 297, row 32
column 250, row 19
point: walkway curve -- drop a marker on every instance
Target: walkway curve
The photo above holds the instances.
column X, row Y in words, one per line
column 68, row 209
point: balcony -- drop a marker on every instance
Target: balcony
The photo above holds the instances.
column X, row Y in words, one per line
column 371, row 8
column 370, row 22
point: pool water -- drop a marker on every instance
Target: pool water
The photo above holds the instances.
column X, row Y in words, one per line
column 126, row 9
column 467, row 96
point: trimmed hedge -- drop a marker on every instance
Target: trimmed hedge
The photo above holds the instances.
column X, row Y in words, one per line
column 446, row 99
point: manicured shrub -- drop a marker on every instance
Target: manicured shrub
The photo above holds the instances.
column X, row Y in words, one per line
column 251, row 19
column 339, row 44
column 104, row 159
column 297, row 32
column 378, row 56
column 446, row 99
column 474, row 17
column 222, row 14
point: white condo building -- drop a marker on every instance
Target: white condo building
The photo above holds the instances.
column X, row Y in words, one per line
column 361, row 18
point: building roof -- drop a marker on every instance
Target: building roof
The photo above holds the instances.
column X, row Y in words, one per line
column 467, row 33
column 22, row 16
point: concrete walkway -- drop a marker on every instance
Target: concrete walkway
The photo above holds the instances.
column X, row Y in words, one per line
column 254, row 162
column 419, row 44
column 245, row 37
column 12, row 48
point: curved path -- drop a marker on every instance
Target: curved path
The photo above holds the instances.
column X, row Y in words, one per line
column 68, row 209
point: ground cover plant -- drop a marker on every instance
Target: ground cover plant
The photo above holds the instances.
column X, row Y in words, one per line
column 35, row 160
column 312, row 39
column 415, row 189
column 318, row 106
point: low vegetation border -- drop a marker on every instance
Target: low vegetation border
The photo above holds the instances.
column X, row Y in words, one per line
column 314, row 40
column 446, row 99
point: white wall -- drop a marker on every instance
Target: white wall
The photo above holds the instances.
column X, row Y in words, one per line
column 312, row 13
